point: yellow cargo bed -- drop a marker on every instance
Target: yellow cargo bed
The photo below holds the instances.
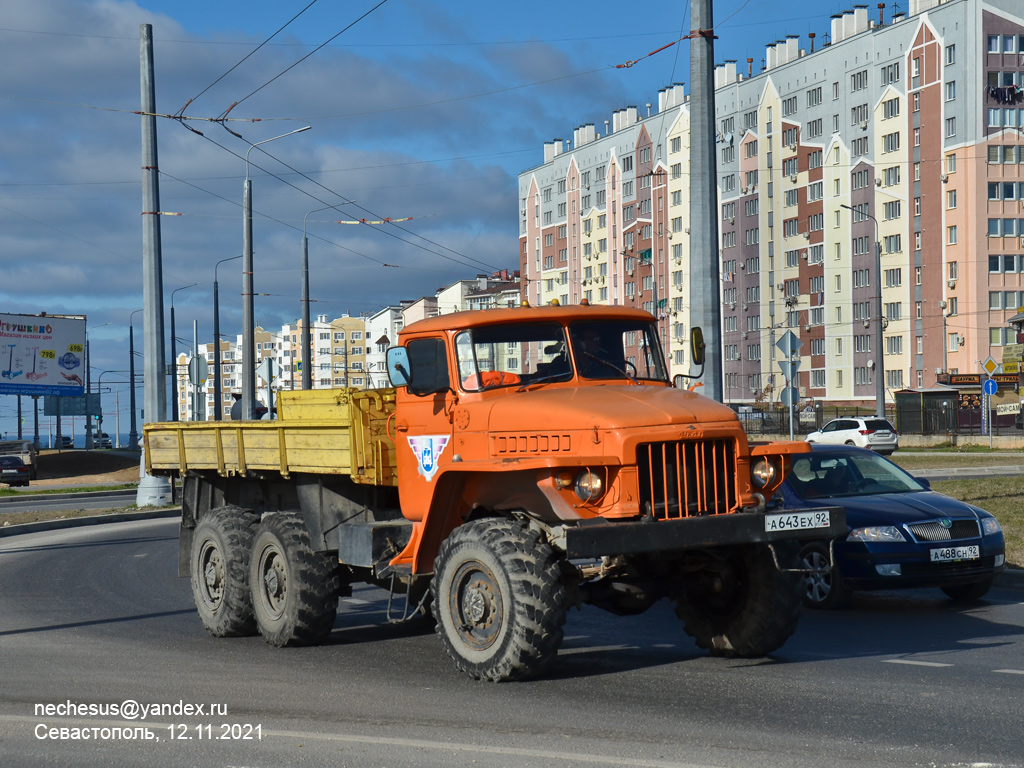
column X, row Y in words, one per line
column 321, row 431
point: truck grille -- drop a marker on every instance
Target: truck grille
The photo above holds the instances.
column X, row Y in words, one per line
column 961, row 529
column 686, row 479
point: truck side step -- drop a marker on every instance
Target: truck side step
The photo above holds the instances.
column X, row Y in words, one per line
column 367, row 545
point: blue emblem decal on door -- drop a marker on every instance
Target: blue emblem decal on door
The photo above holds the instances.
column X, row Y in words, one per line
column 428, row 448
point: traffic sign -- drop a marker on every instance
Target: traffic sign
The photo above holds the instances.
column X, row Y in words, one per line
column 990, row 366
column 990, row 387
column 789, row 396
column 789, row 368
column 789, row 344
column 268, row 370
column 198, row 369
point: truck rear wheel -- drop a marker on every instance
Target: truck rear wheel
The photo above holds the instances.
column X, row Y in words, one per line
column 219, row 570
column 745, row 607
column 294, row 589
column 499, row 600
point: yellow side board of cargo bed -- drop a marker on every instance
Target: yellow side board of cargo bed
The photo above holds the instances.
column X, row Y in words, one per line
column 321, row 431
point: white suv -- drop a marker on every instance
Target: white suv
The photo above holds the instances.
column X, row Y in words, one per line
column 873, row 433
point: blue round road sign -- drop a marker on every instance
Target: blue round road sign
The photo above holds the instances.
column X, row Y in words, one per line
column 990, row 387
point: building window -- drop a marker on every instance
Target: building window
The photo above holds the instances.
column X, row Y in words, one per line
column 950, row 127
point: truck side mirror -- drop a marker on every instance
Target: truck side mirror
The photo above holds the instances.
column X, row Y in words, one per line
column 398, row 367
column 697, row 345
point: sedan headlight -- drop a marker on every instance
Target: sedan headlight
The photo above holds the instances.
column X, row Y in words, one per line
column 762, row 473
column 589, row 486
column 876, row 534
column 990, row 525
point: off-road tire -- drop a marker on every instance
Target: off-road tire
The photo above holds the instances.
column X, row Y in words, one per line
column 499, row 600
column 219, row 571
column 752, row 611
column 822, row 591
column 294, row 589
column 968, row 593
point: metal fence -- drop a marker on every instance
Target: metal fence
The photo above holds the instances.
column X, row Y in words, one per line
column 765, row 420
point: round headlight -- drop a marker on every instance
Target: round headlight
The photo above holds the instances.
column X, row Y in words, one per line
column 762, row 473
column 589, row 486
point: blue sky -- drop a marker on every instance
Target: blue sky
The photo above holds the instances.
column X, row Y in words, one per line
column 421, row 109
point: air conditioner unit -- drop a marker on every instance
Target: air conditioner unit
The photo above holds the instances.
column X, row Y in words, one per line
column 745, row 334
column 733, row 220
column 792, row 146
column 944, row 178
column 732, row 305
column 803, row 255
column 863, row 125
column 867, row 323
column 938, row 371
column 744, row 190
column 951, row 283
column 793, row 178
column 807, row 327
column 779, row 287
column 1022, row 241
column 629, row 273
column 522, row 213
column 807, row 235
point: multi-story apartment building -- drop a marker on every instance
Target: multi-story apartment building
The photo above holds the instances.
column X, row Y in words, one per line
column 904, row 134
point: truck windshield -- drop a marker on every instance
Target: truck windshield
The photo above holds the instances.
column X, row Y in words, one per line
column 518, row 354
column 512, row 355
column 617, row 349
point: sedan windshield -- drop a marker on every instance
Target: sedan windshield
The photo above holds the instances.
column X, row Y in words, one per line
column 822, row 475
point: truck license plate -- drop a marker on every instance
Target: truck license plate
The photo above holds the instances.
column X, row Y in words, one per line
column 796, row 521
column 947, row 554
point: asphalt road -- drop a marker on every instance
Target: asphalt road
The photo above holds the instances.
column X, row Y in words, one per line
column 97, row 616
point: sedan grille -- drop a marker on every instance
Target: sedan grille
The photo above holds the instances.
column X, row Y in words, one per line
column 961, row 529
column 686, row 479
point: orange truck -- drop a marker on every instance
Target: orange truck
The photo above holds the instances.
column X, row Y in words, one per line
column 523, row 462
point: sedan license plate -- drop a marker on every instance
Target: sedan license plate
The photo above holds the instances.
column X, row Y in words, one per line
column 796, row 521
column 949, row 554
column 10, row 472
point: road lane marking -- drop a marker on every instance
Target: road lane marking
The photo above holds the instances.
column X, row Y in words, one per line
column 1010, row 671
column 916, row 663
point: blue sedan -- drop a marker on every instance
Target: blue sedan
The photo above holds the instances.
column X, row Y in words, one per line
column 901, row 534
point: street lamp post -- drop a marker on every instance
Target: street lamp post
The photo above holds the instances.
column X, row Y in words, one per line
column 174, row 357
column 218, row 405
column 133, row 433
column 879, row 338
column 248, row 310
column 307, row 335
column 89, row 445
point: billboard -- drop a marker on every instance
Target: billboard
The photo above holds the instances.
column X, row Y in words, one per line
column 42, row 355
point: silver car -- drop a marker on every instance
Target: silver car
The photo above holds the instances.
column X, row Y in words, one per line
column 872, row 433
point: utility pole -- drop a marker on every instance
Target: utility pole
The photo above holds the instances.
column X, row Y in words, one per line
column 152, row 490
column 705, row 290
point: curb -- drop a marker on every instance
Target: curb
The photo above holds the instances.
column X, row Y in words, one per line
column 76, row 522
column 1011, row 578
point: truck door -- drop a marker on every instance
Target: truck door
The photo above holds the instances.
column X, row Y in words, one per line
column 423, row 426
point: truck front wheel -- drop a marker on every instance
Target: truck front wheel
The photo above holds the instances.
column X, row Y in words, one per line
column 499, row 600
column 743, row 606
column 294, row 589
column 219, row 570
